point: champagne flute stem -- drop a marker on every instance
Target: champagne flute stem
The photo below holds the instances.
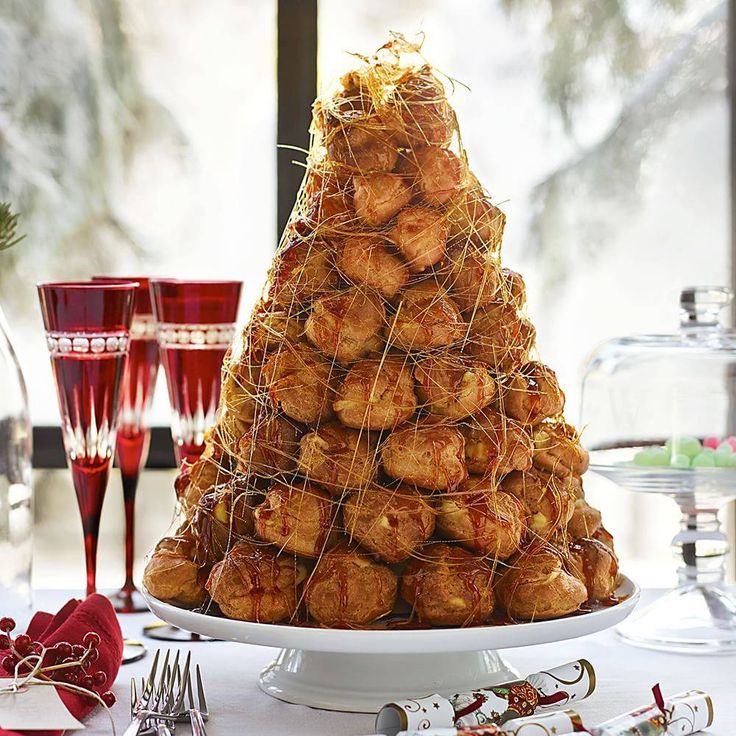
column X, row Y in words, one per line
column 130, row 485
column 90, row 484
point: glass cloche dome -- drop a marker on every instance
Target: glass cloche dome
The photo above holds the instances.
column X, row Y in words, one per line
column 659, row 416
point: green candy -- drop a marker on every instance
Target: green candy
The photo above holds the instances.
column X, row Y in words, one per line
column 725, row 447
column 641, row 458
column 680, row 460
column 686, row 445
column 723, row 459
column 704, row 460
column 652, row 456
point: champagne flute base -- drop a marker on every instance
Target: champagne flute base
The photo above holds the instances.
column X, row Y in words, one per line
column 133, row 651
column 128, row 600
column 166, row 632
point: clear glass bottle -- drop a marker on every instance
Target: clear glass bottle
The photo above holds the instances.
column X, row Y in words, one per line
column 16, row 495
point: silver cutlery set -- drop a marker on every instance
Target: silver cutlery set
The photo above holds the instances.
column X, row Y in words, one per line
column 169, row 695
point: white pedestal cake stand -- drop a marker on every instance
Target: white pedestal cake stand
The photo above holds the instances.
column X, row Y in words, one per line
column 359, row 671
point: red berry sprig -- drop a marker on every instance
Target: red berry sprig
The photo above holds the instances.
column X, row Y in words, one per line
column 62, row 662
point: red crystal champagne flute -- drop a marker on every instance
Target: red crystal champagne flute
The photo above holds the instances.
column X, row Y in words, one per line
column 87, row 332
column 196, row 324
column 134, row 434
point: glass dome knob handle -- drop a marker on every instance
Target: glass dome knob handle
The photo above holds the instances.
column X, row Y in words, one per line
column 700, row 306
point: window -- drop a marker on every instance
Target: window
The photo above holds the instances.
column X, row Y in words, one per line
column 602, row 131
column 152, row 152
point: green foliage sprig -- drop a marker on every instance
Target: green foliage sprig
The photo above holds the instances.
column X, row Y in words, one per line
column 8, row 227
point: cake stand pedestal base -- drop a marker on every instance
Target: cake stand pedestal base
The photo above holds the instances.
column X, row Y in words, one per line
column 694, row 618
column 362, row 683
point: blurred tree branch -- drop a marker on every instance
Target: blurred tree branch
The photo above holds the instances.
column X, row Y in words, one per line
column 581, row 33
column 8, row 227
column 580, row 205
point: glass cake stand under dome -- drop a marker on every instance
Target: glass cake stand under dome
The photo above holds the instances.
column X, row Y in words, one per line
column 659, row 413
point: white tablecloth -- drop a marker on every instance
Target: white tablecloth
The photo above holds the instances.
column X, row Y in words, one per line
column 625, row 676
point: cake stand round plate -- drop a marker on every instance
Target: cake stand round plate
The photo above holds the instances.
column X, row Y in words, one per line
column 361, row 670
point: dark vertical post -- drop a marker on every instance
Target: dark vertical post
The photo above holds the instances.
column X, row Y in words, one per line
column 297, row 86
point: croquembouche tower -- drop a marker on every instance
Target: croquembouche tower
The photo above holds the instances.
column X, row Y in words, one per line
column 388, row 449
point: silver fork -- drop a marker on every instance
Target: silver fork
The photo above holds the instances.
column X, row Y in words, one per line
column 171, row 706
column 150, row 693
column 161, row 703
column 198, row 712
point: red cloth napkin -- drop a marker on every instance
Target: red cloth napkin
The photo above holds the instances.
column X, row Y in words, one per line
column 70, row 624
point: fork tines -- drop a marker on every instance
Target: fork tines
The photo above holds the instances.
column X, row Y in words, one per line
column 164, row 691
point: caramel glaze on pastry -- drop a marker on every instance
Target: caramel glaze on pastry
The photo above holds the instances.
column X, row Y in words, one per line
column 448, row 586
column 532, row 394
column 425, row 318
column 474, row 219
column 346, row 326
column 239, row 401
column 420, row 235
column 513, row 288
column 452, row 386
column 297, row 518
column 269, row 446
column 500, row 337
column 378, row 197
column 472, row 276
column 596, row 566
column 428, row 455
column 171, row 573
column 348, row 588
column 366, row 147
column 585, row 520
column 557, row 449
column 437, row 173
column 269, row 328
column 221, row 517
column 603, row 535
column 212, row 468
column 549, row 501
column 301, row 383
column 538, row 585
column 482, row 518
column 304, row 270
column 253, row 583
column 338, row 458
column 495, row 445
column 417, row 112
column 390, row 523
column 367, row 261
column 329, row 204
column 376, row 394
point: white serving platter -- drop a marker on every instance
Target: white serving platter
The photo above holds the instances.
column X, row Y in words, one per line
column 361, row 670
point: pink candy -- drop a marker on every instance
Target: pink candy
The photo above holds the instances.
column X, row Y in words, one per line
column 715, row 442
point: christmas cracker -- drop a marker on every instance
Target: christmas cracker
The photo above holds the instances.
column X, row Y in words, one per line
column 543, row 724
column 495, row 705
column 677, row 715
